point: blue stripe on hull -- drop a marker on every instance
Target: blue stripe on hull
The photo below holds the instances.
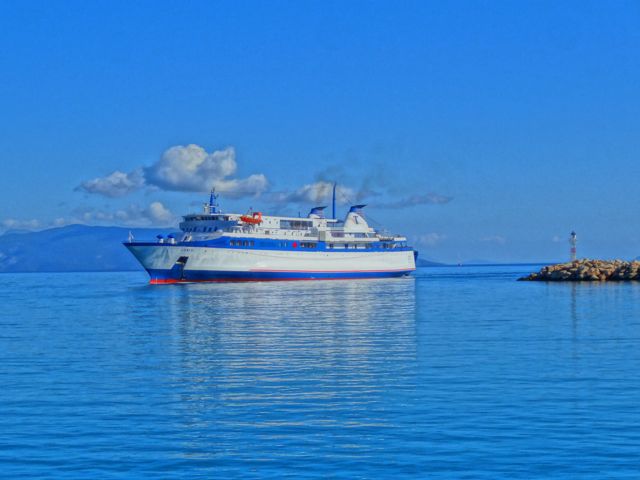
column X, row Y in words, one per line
column 169, row 276
column 266, row 244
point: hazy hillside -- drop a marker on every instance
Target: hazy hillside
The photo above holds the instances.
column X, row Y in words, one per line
column 78, row 248
column 428, row 263
column 72, row 248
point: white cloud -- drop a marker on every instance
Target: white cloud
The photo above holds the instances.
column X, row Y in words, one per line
column 156, row 214
column 153, row 215
column 316, row 193
column 430, row 239
column 253, row 185
column 15, row 224
column 184, row 169
column 419, row 199
column 117, row 184
column 191, row 168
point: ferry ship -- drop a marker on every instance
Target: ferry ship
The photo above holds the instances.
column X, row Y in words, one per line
column 214, row 246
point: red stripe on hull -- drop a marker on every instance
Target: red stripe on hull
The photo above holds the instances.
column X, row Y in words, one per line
column 171, row 281
column 333, row 271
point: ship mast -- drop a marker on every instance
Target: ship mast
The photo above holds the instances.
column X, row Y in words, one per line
column 213, row 206
column 333, row 215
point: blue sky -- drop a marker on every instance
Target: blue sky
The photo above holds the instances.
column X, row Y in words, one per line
column 492, row 128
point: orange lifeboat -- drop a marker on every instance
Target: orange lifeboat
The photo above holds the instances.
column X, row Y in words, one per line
column 255, row 219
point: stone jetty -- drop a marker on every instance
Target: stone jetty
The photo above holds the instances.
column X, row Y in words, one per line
column 586, row 270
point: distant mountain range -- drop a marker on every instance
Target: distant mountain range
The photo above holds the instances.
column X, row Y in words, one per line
column 74, row 248
column 80, row 248
column 428, row 263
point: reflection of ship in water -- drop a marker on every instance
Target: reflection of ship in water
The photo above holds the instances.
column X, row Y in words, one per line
column 260, row 343
column 262, row 316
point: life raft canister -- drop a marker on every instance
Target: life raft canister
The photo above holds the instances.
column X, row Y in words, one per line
column 254, row 219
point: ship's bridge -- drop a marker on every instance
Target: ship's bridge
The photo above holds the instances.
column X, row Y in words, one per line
column 205, row 222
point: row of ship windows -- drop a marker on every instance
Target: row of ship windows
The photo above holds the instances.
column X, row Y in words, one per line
column 203, row 229
column 345, row 246
column 303, row 245
column 367, row 246
column 215, row 229
column 242, row 243
column 251, row 243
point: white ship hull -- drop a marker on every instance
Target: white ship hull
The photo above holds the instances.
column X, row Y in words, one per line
column 183, row 263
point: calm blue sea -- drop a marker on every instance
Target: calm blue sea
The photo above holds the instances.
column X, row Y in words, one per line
column 457, row 372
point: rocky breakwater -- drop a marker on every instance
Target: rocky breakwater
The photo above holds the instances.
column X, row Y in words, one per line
column 588, row 271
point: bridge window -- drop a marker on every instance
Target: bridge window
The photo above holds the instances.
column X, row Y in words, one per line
column 295, row 224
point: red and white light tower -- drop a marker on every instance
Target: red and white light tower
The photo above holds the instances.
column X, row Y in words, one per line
column 573, row 239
